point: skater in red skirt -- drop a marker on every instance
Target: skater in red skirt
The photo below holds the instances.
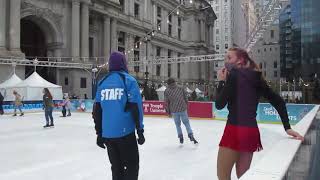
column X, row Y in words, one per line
column 240, row 86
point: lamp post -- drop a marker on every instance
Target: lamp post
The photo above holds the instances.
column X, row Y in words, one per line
column 94, row 71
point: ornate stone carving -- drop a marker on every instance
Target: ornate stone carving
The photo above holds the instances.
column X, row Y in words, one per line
column 28, row 8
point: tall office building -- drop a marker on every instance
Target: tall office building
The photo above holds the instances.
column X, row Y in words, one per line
column 300, row 38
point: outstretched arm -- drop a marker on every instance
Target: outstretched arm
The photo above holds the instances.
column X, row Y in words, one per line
column 277, row 102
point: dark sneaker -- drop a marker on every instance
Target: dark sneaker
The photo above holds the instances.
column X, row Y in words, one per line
column 21, row 114
column 14, row 115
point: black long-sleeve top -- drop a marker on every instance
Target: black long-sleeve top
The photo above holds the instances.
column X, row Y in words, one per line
column 242, row 91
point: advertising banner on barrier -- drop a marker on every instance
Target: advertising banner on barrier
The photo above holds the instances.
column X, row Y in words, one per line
column 200, row 109
column 26, row 107
column 154, row 108
column 267, row 113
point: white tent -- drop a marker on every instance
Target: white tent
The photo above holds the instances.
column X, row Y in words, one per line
column 188, row 90
column 160, row 92
column 13, row 80
column 198, row 90
column 31, row 89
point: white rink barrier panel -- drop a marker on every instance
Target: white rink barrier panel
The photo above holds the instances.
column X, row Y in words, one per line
column 276, row 163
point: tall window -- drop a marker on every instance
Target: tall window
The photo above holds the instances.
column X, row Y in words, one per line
column 122, row 5
column 159, row 12
column 121, row 41
column 91, row 42
column 158, row 67
column 83, row 83
column 159, row 16
column 169, row 65
column 169, row 29
column 158, row 70
column 136, row 58
column 170, row 25
column 275, row 64
column 275, row 74
column 179, row 28
column 136, row 52
column 226, row 46
column 136, row 10
column 66, row 81
column 159, row 25
column 217, row 47
column 272, row 33
column 179, row 67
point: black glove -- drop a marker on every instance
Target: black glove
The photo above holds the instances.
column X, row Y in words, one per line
column 100, row 142
column 141, row 138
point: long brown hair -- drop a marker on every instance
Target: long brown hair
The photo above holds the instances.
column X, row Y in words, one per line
column 241, row 53
column 47, row 93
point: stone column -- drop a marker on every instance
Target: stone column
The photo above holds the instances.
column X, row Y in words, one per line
column 84, row 30
column 2, row 25
column 57, row 54
column 106, row 40
column 114, row 41
column 211, row 35
column 14, row 33
column 202, row 31
column 75, row 28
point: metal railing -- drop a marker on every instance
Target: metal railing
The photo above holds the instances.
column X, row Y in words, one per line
column 89, row 63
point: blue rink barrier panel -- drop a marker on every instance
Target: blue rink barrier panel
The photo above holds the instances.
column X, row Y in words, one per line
column 265, row 112
column 268, row 114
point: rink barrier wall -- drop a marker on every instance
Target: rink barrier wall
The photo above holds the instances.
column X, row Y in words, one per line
column 277, row 162
column 196, row 110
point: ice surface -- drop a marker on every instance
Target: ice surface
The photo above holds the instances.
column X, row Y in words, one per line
column 69, row 152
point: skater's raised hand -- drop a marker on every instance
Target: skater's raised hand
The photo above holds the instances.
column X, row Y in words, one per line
column 141, row 138
column 100, row 142
column 223, row 74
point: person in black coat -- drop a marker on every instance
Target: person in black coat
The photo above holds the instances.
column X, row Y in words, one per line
column 240, row 86
column 1, row 104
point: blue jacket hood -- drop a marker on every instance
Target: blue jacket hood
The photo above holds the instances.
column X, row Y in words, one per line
column 118, row 62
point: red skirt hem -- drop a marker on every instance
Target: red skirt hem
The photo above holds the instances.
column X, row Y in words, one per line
column 241, row 138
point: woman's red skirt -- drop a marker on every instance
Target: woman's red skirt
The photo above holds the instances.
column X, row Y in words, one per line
column 241, row 138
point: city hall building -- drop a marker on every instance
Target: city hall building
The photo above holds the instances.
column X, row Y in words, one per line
column 87, row 31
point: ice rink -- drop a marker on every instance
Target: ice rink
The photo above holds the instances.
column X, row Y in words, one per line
column 69, row 152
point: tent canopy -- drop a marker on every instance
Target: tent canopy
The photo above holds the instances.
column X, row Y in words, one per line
column 35, row 80
column 13, row 80
column 31, row 89
column 188, row 90
column 162, row 88
column 198, row 90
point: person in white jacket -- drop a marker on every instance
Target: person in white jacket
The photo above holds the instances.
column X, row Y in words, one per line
column 67, row 104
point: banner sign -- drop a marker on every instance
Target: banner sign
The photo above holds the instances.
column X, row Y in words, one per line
column 200, row 109
column 154, row 108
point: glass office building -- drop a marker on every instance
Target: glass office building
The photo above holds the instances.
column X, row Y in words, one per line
column 300, row 39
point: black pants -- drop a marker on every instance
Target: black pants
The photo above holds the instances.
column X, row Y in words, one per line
column 124, row 157
column 64, row 111
column 1, row 109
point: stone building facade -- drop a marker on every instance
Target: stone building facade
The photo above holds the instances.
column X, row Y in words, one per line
column 89, row 30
